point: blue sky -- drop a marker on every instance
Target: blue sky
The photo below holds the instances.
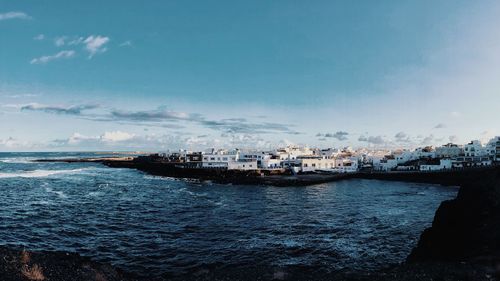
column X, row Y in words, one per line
column 105, row 75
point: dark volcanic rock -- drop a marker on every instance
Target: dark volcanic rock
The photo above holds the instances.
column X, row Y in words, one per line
column 466, row 228
column 17, row 265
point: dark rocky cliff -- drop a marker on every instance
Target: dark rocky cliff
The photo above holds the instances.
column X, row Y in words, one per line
column 466, row 228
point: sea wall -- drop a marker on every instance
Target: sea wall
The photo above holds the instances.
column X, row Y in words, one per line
column 458, row 177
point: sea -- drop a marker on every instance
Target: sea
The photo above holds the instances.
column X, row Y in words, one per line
column 155, row 226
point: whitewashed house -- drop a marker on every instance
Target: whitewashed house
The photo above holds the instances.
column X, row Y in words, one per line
column 311, row 163
column 443, row 165
column 220, row 158
column 449, row 150
column 347, row 165
column 475, row 149
column 405, row 156
column 270, row 162
column 385, row 164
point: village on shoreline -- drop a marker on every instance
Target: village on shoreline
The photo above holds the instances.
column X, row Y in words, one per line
column 303, row 160
column 449, row 164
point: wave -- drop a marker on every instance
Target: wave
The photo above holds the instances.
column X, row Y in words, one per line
column 59, row 193
column 18, row 160
column 39, row 173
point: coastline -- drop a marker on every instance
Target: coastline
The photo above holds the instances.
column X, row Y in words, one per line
column 453, row 177
column 442, row 252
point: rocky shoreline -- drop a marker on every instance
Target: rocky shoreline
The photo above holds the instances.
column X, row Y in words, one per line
column 454, row 177
column 17, row 265
column 21, row 265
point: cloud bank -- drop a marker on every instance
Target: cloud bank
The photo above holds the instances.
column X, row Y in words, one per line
column 60, row 55
column 59, row 109
column 14, row 15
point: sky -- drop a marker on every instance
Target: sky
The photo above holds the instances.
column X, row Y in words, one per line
column 158, row 75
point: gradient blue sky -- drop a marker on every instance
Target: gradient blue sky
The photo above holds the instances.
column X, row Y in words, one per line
column 87, row 75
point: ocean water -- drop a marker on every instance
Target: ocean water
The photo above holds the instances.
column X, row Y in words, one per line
column 152, row 225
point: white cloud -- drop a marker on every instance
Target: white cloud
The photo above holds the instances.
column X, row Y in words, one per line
column 127, row 43
column 77, row 138
column 61, row 55
column 39, row 37
column 376, row 140
column 14, row 15
column 153, row 142
column 60, row 41
column 76, row 41
column 402, row 137
column 440, row 126
column 95, row 44
column 16, row 144
column 116, row 136
column 428, row 140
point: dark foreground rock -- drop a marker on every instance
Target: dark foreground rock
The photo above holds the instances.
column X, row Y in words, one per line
column 466, row 228
column 17, row 265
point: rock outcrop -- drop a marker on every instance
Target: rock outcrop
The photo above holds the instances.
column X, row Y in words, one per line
column 21, row 265
column 465, row 229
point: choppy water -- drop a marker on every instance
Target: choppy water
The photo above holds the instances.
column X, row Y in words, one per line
column 154, row 225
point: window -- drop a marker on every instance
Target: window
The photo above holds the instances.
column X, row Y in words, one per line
column 314, row 165
column 250, row 165
column 212, row 158
column 224, row 158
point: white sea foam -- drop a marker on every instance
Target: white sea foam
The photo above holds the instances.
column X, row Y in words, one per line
column 95, row 194
column 59, row 193
column 20, row 160
column 38, row 173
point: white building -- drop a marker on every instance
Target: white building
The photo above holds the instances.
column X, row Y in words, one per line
column 493, row 148
column 270, row 162
column 385, row 164
column 347, row 165
column 497, row 150
column 313, row 163
column 449, row 150
column 443, row 165
column 475, row 149
column 405, row 156
column 292, row 152
column 220, row 158
column 242, row 165
column 425, row 152
column 330, row 152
